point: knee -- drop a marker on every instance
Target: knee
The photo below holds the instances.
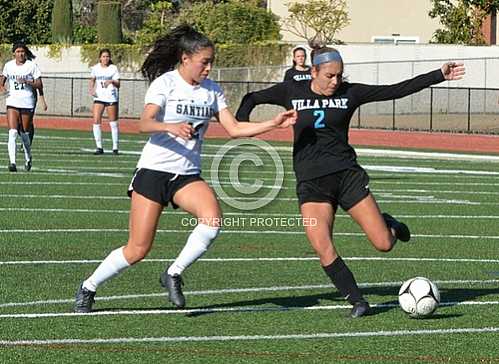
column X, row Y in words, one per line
column 384, row 245
column 134, row 253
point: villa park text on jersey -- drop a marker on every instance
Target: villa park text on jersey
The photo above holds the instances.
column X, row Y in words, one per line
column 305, row 104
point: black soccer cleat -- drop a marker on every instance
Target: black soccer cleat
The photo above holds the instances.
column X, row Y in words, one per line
column 84, row 300
column 99, row 151
column 402, row 232
column 360, row 308
column 173, row 285
column 116, row 151
column 28, row 164
column 12, row 167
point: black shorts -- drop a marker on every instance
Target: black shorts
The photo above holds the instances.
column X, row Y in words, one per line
column 22, row 110
column 159, row 186
column 344, row 188
column 106, row 104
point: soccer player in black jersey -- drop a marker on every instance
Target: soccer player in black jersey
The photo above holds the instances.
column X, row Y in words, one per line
column 325, row 164
column 300, row 71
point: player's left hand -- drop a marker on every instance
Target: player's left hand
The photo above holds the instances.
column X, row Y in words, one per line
column 285, row 119
column 453, row 71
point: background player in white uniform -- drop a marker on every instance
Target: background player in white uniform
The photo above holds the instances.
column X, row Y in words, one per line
column 23, row 78
column 104, row 85
column 38, row 98
column 179, row 104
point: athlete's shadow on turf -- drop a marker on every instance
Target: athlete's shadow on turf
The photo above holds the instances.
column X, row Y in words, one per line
column 450, row 296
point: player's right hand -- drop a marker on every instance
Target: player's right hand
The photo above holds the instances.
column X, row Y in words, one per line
column 181, row 130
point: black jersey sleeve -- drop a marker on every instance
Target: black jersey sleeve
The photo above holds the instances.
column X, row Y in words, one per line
column 288, row 76
column 275, row 95
column 369, row 93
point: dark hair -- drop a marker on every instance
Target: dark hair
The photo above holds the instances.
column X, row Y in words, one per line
column 105, row 50
column 29, row 55
column 167, row 51
column 296, row 50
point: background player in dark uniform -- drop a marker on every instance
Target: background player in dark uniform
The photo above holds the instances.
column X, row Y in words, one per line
column 326, row 169
column 300, row 71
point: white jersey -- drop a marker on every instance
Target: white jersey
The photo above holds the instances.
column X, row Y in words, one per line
column 21, row 95
column 180, row 102
column 102, row 74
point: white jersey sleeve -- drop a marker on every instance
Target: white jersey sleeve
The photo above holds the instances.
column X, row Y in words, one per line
column 220, row 102
column 156, row 93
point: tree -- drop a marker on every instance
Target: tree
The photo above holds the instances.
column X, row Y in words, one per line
column 62, row 21
column 232, row 22
column 462, row 20
column 25, row 20
column 109, row 22
column 317, row 21
column 157, row 21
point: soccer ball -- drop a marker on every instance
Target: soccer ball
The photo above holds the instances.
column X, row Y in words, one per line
column 419, row 297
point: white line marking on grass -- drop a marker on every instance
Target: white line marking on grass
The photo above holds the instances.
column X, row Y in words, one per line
column 369, row 152
column 238, row 232
column 243, row 290
column 339, row 215
column 408, row 169
column 176, row 339
column 260, row 259
column 414, row 199
column 217, row 310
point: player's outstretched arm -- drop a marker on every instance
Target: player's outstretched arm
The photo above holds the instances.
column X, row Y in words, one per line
column 237, row 129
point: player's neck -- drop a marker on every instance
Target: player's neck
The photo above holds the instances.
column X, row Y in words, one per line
column 185, row 75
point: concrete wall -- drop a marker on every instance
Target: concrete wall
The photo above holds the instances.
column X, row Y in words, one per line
column 368, row 63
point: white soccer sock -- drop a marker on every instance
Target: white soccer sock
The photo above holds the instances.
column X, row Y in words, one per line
column 26, row 145
column 197, row 244
column 114, row 263
column 98, row 135
column 114, row 133
column 11, row 145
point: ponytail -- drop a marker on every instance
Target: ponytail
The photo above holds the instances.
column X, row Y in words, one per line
column 167, row 51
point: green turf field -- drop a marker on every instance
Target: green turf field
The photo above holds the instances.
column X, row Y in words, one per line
column 259, row 294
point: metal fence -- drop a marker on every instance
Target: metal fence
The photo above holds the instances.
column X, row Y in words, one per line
column 472, row 110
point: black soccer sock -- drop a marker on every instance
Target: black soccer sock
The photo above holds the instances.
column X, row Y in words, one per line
column 31, row 133
column 343, row 279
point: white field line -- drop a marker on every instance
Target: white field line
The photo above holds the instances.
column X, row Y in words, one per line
column 182, row 213
column 228, row 183
column 393, row 153
column 383, row 168
column 219, row 310
column 243, row 182
column 177, row 339
column 403, row 199
column 440, row 283
column 238, row 232
column 260, row 259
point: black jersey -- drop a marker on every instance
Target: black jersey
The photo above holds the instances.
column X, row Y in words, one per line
column 321, row 132
column 294, row 74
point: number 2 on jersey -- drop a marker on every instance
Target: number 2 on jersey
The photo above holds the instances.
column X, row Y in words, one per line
column 319, row 122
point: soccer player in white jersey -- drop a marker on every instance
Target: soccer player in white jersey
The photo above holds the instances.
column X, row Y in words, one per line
column 179, row 105
column 104, row 85
column 23, row 77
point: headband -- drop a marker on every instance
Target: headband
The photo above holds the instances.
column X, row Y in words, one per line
column 333, row 56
